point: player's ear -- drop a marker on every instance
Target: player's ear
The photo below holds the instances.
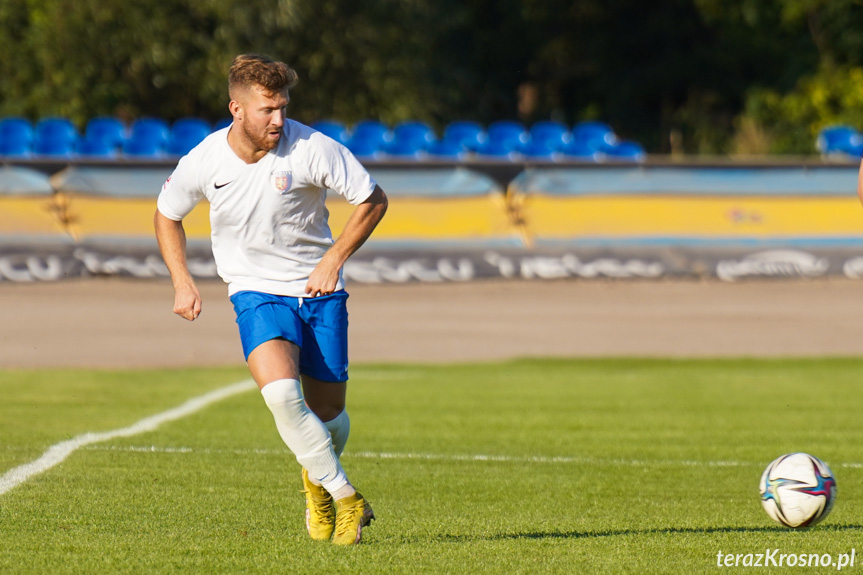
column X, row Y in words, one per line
column 236, row 109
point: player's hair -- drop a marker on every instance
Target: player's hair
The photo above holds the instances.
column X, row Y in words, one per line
column 248, row 70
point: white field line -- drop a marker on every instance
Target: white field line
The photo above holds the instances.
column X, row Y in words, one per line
column 60, row 451
column 467, row 458
column 433, row 456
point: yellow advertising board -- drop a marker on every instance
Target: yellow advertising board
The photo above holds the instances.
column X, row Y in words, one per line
column 621, row 216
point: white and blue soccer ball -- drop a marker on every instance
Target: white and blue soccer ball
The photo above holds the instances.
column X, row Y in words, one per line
column 797, row 490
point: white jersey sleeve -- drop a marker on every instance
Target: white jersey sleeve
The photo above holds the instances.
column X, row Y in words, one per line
column 332, row 166
column 182, row 191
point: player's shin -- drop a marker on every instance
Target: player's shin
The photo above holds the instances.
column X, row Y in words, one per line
column 339, row 428
column 305, row 435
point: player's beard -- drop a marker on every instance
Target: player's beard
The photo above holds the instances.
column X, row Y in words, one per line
column 261, row 141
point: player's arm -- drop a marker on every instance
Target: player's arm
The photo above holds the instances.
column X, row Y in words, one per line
column 172, row 244
column 360, row 225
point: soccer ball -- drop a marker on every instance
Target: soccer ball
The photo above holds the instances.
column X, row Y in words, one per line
column 797, row 490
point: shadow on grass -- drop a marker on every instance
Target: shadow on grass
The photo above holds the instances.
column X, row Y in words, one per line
column 627, row 532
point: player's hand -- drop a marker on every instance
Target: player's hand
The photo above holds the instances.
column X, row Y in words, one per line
column 323, row 279
column 187, row 302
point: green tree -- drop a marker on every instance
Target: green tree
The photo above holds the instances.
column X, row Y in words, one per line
column 88, row 57
column 828, row 92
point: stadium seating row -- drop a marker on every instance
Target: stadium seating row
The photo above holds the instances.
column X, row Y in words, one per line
column 506, row 140
column 103, row 137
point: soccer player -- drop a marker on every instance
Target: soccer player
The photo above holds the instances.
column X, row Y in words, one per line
column 265, row 177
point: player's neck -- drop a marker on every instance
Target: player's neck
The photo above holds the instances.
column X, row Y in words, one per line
column 243, row 148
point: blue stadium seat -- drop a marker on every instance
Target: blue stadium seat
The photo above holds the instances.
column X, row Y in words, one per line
column 447, row 150
column 596, row 134
column 364, row 148
column 150, row 129
column 56, row 129
column 15, row 148
column 184, row 127
column 374, row 132
column 536, row 150
column 148, row 138
column 623, row 152
column 495, row 150
column 185, row 134
column 552, row 134
column 143, row 147
column 96, row 148
column 406, row 149
column 579, row 151
column 55, row 137
column 335, row 130
column 508, row 133
column 409, row 140
column 16, row 136
column 467, row 133
column 368, row 138
column 58, row 147
column 840, row 140
column 105, row 128
column 414, row 133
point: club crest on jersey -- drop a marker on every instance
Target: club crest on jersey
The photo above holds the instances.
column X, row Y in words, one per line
column 281, row 180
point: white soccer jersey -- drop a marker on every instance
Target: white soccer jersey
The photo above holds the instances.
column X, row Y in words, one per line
column 268, row 220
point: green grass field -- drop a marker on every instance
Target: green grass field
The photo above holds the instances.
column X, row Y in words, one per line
column 539, row 466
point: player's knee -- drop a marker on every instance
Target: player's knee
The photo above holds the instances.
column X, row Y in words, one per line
column 325, row 399
column 326, row 410
column 283, row 394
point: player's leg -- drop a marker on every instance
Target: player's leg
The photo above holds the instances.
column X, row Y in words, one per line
column 327, row 400
column 267, row 323
column 324, row 362
column 273, row 365
column 324, row 365
column 272, row 335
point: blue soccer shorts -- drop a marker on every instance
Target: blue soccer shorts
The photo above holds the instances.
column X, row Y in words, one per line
column 318, row 325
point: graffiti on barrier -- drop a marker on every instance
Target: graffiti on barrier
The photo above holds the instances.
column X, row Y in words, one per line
column 376, row 269
column 30, row 268
column 568, row 265
column 384, row 269
column 41, row 264
column 493, row 264
column 773, row 263
column 853, row 268
column 23, row 267
column 147, row 266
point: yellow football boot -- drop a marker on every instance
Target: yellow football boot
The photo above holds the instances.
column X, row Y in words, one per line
column 353, row 513
column 320, row 513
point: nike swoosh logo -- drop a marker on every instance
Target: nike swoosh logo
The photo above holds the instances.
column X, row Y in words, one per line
column 217, row 186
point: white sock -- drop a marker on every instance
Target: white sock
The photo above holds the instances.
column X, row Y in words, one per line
column 304, row 434
column 339, row 428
